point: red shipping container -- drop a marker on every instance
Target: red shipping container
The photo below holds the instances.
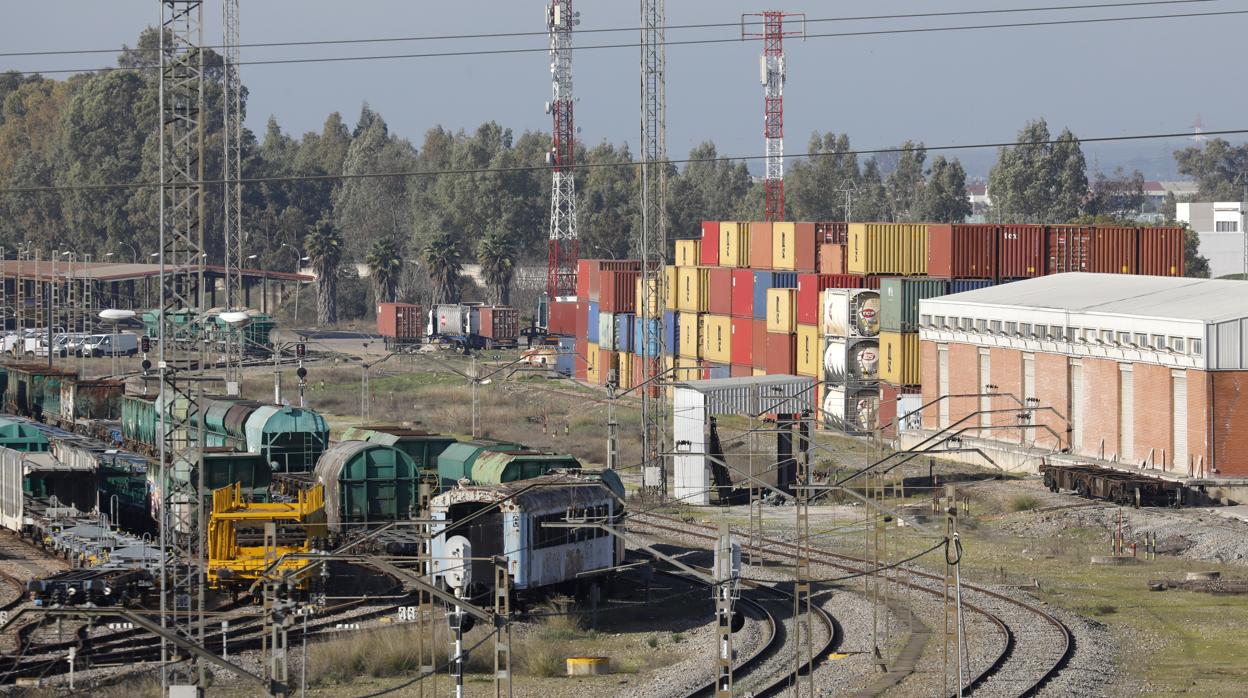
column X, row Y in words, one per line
column 832, row 258
column 607, row 365
column 962, row 251
column 709, row 249
column 804, row 248
column 581, row 322
column 617, row 291
column 719, row 295
column 872, row 282
column 1161, row 251
column 1069, row 248
column 760, row 245
column 400, row 320
column 561, row 318
column 888, row 407
column 1021, row 252
column 499, row 323
column 738, row 371
column 743, row 293
column 584, row 268
column 781, row 354
column 743, row 341
column 832, row 232
column 758, row 349
column 1115, row 250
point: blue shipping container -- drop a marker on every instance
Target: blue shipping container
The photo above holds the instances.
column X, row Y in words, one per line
column 719, row 370
column 764, row 280
column 591, row 324
column 624, row 332
column 646, row 330
column 565, row 362
column 671, row 333
column 960, row 285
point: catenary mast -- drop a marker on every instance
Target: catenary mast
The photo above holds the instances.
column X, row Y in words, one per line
column 232, row 167
column 653, row 240
column 562, row 246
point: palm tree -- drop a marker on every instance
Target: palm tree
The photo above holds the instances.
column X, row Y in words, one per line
column 385, row 264
column 496, row 253
column 443, row 259
column 324, row 247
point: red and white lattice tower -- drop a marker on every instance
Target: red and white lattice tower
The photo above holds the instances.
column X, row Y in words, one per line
column 772, row 75
column 561, row 273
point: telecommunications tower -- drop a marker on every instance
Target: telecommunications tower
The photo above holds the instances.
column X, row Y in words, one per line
column 772, row 73
column 561, row 271
column 232, row 169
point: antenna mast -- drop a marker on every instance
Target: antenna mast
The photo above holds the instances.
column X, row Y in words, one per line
column 772, row 74
column 232, row 170
column 653, row 241
column 562, row 247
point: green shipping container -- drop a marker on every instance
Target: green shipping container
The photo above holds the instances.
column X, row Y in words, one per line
column 899, row 301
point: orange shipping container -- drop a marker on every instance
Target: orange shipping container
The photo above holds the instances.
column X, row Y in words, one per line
column 832, row 258
column 760, row 245
column 399, row 320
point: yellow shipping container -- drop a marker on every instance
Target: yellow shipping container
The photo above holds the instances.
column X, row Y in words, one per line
column 810, row 344
column 734, row 244
column 670, row 292
column 592, row 375
column 887, row 248
column 688, row 253
column 693, row 288
column 624, row 371
column 717, row 338
column 690, row 335
column 899, row 358
column 782, row 247
column 654, row 304
column 782, row 310
column 759, row 372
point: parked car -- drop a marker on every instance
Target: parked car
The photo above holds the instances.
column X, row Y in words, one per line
column 120, row 344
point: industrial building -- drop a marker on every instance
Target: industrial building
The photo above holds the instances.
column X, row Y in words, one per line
column 1220, row 226
column 1144, row 372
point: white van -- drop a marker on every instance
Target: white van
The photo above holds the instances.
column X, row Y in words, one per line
column 120, row 344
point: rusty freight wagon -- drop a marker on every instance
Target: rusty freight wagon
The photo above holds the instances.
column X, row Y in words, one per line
column 1118, row 486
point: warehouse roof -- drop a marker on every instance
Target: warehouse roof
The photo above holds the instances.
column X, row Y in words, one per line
column 1208, row 300
column 110, row 271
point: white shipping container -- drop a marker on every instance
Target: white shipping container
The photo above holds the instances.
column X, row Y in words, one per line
column 849, row 312
column 851, row 361
column 854, row 411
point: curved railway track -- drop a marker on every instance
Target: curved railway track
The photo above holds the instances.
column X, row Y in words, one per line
column 1031, row 654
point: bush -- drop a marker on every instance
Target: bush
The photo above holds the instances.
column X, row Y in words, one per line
column 1024, row 502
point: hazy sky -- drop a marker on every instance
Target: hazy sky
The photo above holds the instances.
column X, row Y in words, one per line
column 943, row 88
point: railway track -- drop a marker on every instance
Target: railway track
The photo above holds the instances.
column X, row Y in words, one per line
column 1035, row 645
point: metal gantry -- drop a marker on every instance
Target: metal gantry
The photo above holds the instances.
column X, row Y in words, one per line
column 562, row 246
column 181, row 351
column 772, row 74
column 653, row 243
column 232, row 169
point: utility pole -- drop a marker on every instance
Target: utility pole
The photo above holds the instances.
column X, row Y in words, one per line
column 772, row 74
column 562, row 246
column 231, row 172
column 181, row 137
column 727, row 587
column 653, row 251
column 954, row 636
column 848, row 188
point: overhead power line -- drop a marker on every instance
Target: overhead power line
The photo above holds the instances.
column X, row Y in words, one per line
column 600, row 165
column 688, row 42
column 606, row 30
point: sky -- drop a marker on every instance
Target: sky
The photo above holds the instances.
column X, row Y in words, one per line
column 944, row 88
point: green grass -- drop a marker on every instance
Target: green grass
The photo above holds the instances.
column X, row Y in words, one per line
column 1024, row 502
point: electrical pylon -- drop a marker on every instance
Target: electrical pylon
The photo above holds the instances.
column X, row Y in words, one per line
column 181, row 349
column 772, row 73
column 232, row 170
column 653, row 240
column 562, row 247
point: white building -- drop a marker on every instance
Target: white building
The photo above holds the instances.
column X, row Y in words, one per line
column 1221, row 229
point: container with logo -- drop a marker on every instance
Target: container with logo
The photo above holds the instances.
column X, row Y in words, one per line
column 743, row 341
column 689, row 337
column 853, row 410
column 782, row 310
column 734, row 244
column 708, row 248
column 781, row 354
column 809, row 350
column 743, row 292
column 1070, row 248
column 899, row 301
column 810, row 288
column 717, row 338
column 719, row 291
column 692, row 287
column 1115, row 250
column 1161, row 251
column 851, row 361
column 899, row 358
column 760, row 245
column 832, row 258
column 851, row 313
column 962, row 251
column 1021, row 251
column 687, row 254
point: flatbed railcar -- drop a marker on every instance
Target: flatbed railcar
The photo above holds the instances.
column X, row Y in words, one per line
column 1117, row 486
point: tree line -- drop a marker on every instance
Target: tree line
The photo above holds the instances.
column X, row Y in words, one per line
column 478, row 197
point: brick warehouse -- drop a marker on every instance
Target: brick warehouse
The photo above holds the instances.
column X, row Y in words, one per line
column 1144, row 372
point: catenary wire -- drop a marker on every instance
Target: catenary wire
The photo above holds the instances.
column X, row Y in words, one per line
column 606, row 30
column 685, row 42
column 600, row 165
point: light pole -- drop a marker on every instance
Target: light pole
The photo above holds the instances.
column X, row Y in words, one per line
column 114, row 315
column 298, row 284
